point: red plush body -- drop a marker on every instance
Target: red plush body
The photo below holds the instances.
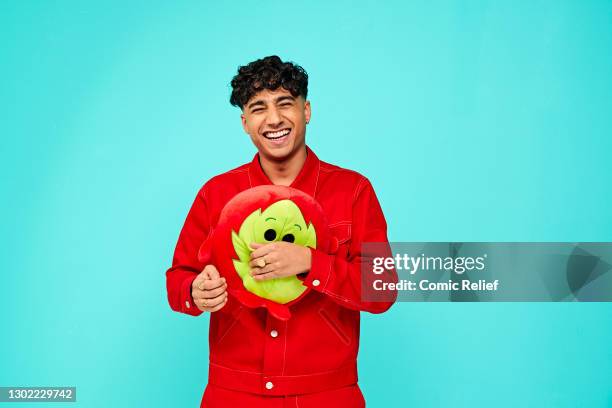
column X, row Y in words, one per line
column 218, row 248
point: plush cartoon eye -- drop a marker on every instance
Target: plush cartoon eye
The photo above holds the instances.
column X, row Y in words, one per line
column 288, row 238
column 270, row 234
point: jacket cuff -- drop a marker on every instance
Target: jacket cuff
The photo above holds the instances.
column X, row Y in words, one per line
column 187, row 304
column 320, row 270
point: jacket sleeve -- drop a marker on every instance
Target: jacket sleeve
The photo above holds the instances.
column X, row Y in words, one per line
column 185, row 265
column 342, row 276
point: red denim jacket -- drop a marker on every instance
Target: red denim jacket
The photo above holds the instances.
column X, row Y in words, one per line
column 316, row 349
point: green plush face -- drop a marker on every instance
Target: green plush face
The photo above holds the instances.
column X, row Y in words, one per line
column 281, row 221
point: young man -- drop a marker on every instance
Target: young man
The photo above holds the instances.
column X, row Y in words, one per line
column 256, row 360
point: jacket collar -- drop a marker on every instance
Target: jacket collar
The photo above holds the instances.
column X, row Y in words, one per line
column 306, row 179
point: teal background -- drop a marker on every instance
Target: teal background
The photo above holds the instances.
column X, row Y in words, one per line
column 475, row 120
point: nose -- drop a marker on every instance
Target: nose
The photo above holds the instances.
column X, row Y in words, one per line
column 274, row 118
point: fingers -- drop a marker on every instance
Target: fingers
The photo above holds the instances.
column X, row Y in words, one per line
column 259, row 262
column 210, row 284
column 266, row 269
column 204, row 281
column 218, row 307
column 212, row 272
column 199, row 280
column 263, row 260
column 261, row 249
column 211, row 305
column 255, row 245
column 208, row 294
column 212, row 302
column 264, row 276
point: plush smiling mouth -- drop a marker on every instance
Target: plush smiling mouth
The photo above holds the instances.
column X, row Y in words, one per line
column 276, row 135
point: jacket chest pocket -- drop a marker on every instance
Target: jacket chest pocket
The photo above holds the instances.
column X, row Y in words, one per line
column 342, row 232
column 336, row 327
column 222, row 325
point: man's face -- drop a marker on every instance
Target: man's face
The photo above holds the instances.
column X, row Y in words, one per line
column 276, row 122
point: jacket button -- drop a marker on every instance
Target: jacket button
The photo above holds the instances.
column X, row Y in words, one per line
column 269, row 385
column 274, row 333
column 187, row 304
column 316, row 282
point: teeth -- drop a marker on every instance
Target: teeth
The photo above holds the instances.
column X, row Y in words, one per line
column 275, row 135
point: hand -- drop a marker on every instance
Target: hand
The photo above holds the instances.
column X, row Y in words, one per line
column 278, row 259
column 209, row 290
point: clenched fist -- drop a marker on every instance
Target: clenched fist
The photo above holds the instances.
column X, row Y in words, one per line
column 209, row 290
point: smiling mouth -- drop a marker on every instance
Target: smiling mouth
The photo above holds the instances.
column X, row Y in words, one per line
column 276, row 135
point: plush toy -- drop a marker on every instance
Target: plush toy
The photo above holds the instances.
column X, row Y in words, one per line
column 265, row 214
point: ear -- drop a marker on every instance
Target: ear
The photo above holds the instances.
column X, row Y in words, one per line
column 244, row 123
column 307, row 111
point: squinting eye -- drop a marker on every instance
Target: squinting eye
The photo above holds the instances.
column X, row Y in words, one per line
column 288, row 238
column 270, row 234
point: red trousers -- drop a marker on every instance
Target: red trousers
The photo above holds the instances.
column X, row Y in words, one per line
column 346, row 397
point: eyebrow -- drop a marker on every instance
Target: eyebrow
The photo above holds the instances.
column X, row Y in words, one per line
column 285, row 97
column 256, row 103
column 270, row 218
column 260, row 102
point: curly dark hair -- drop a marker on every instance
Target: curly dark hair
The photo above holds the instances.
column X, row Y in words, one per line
column 267, row 73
